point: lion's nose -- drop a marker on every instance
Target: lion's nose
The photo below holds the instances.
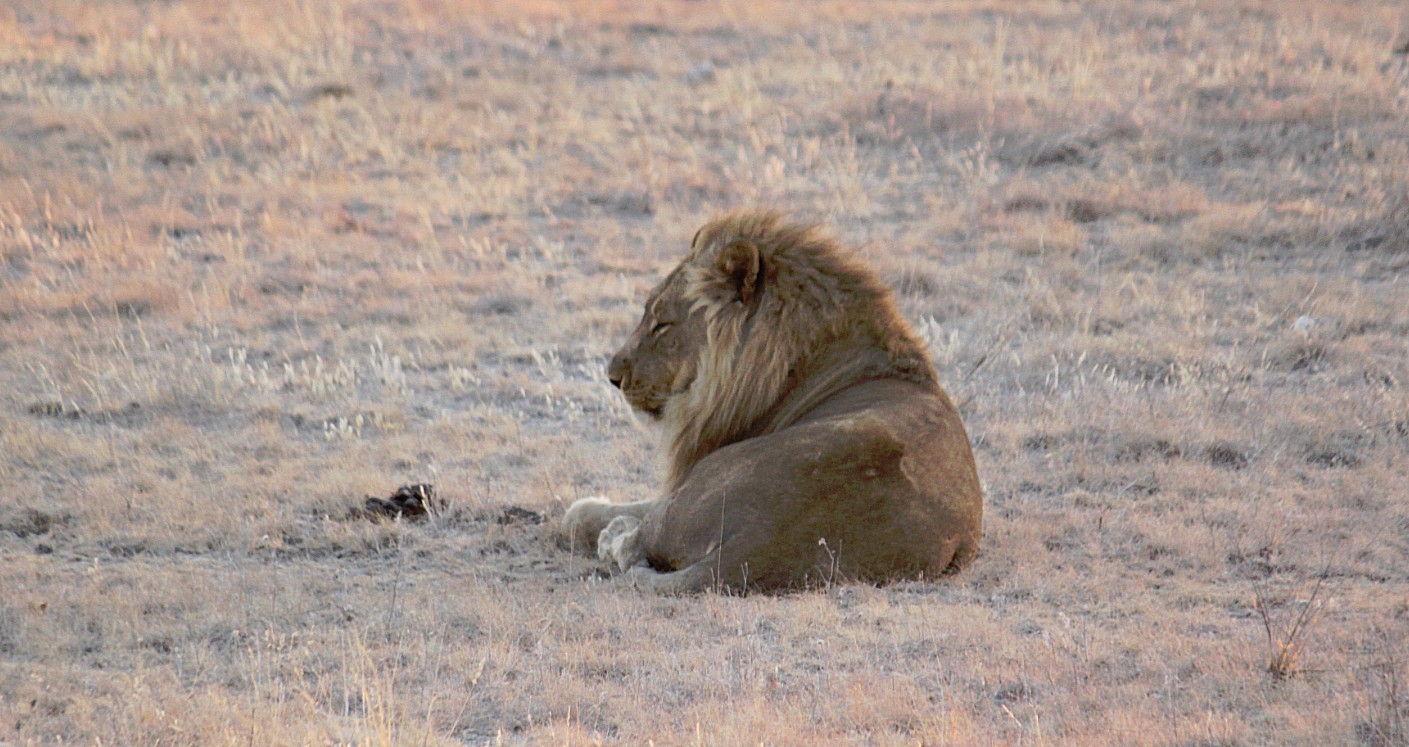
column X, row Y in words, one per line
column 616, row 370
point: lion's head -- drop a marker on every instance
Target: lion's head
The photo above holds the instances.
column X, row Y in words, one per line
column 659, row 361
column 760, row 321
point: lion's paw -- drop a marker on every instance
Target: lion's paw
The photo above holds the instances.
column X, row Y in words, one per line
column 620, row 542
column 585, row 519
column 640, row 575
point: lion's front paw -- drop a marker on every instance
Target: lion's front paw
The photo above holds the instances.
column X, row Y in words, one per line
column 585, row 519
column 620, row 542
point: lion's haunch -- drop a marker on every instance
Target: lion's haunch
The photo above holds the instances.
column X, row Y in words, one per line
column 807, row 437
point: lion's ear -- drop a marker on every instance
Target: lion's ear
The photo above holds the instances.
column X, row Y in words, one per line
column 739, row 265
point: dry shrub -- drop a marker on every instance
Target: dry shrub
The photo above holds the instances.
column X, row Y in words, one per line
column 1286, row 643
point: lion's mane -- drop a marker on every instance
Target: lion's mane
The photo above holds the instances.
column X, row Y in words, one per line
column 823, row 322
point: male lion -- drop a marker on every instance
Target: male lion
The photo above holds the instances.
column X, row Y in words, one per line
column 808, row 438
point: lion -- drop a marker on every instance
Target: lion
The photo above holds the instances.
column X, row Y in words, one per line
column 806, row 434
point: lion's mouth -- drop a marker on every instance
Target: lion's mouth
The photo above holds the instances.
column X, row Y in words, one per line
column 648, row 406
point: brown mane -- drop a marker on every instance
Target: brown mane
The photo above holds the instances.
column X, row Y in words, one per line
column 823, row 323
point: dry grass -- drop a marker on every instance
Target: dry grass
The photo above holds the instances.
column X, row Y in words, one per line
column 260, row 260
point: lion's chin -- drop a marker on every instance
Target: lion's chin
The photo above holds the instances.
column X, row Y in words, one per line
column 652, row 404
column 652, row 410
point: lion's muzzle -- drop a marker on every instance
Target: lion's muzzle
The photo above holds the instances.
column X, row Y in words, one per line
column 617, row 369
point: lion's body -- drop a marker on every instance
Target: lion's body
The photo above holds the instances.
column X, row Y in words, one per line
column 808, row 438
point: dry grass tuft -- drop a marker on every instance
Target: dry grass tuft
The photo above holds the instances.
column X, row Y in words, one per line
column 1287, row 643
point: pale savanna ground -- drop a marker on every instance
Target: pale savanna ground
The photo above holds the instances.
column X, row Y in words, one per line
column 260, row 260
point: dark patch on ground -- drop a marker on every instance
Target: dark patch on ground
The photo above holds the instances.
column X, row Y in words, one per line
column 335, row 91
column 31, row 522
column 1342, row 450
column 1138, row 448
column 502, row 306
column 1041, row 442
column 168, row 158
column 419, row 500
column 129, row 415
column 519, row 515
column 1332, row 457
column 1226, row 455
column 415, row 501
column 53, row 410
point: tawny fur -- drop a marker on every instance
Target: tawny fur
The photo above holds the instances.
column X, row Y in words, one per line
column 800, row 412
column 816, row 295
